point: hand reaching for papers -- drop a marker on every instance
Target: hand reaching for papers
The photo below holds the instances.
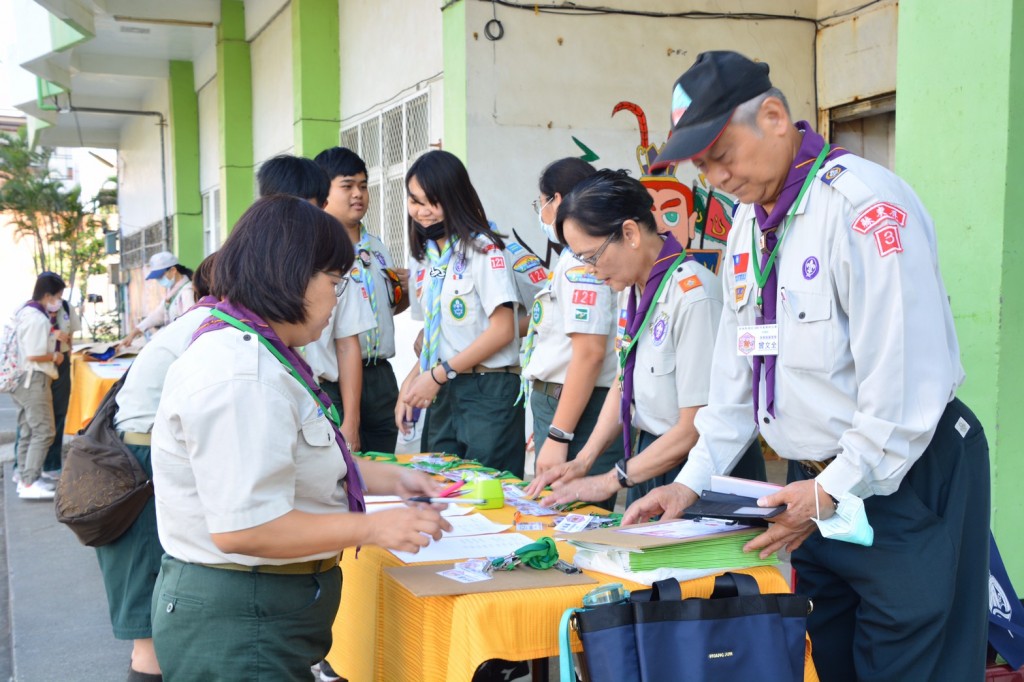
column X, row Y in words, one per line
column 406, row 530
column 792, row 527
column 560, row 473
column 587, row 489
column 668, row 501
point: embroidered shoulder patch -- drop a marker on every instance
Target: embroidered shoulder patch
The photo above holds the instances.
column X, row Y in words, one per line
column 579, row 275
column 689, row 283
column 880, row 213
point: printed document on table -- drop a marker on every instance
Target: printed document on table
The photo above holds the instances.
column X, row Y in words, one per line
column 451, row 549
column 474, row 524
column 684, row 528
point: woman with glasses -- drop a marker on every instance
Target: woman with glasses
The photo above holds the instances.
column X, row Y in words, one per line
column 670, row 309
column 569, row 352
column 256, row 491
column 468, row 374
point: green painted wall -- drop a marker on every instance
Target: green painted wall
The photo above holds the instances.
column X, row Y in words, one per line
column 234, row 97
column 454, row 37
column 316, row 75
column 959, row 143
column 184, row 124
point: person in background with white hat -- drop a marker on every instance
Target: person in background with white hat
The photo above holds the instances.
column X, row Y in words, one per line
column 177, row 279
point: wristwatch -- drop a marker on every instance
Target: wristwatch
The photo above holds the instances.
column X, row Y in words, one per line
column 620, row 471
column 558, row 435
column 448, row 371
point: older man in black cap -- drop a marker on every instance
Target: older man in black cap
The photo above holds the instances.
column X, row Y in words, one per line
column 837, row 344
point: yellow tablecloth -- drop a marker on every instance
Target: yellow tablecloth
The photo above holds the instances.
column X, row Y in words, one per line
column 90, row 381
column 384, row 633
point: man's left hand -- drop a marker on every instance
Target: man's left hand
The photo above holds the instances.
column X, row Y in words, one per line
column 792, row 527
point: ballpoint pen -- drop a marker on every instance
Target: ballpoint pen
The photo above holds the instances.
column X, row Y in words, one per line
column 443, row 500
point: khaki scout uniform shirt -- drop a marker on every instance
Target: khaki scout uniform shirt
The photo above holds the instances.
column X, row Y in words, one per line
column 573, row 302
column 475, row 284
column 373, row 264
column 672, row 369
column 868, row 355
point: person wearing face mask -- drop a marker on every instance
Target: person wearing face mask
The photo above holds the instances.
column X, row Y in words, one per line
column 673, row 305
column 177, row 280
column 569, row 350
column 66, row 322
column 838, row 345
column 37, row 339
column 468, row 374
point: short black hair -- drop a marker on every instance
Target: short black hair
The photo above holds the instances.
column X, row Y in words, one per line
column 47, row 283
column 294, row 175
column 274, row 250
column 603, row 202
column 202, row 278
column 188, row 272
column 445, row 182
column 340, row 161
column 561, row 176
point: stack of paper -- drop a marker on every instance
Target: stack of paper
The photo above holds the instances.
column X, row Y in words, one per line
column 682, row 548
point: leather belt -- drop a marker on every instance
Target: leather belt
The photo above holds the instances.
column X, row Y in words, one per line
column 378, row 362
column 302, row 568
column 814, row 467
column 481, row 369
column 133, row 438
column 548, row 388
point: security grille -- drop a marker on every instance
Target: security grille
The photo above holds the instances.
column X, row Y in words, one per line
column 139, row 246
column 388, row 142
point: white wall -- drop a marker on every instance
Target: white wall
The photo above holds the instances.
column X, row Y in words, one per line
column 273, row 112
column 552, row 77
column 387, row 48
column 209, row 136
column 139, row 176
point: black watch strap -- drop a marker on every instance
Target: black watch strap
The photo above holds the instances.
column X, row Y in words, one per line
column 620, row 471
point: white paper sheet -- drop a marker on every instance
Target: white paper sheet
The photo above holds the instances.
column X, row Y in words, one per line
column 684, row 528
column 448, row 512
column 451, row 549
column 474, row 524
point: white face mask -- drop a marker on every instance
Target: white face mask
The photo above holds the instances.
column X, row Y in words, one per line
column 53, row 306
column 549, row 230
column 849, row 523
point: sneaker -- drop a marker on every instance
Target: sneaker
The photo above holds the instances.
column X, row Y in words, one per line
column 38, row 490
column 327, row 673
column 51, row 475
column 16, row 477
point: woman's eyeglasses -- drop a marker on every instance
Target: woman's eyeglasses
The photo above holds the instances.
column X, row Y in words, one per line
column 340, row 285
column 592, row 260
column 537, row 206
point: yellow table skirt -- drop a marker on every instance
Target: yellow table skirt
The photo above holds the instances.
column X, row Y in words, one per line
column 384, row 633
column 88, row 388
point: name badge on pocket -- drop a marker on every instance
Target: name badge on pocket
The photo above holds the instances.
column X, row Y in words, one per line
column 757, row 339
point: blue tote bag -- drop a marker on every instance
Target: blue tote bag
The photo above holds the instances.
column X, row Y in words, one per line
column 736, row 634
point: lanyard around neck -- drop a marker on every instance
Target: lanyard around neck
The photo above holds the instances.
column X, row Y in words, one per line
column 331, row 412
column 630, row 343
column 762, row 276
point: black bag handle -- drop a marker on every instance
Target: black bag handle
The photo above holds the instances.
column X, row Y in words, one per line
column 661, row 590
column 735, row 585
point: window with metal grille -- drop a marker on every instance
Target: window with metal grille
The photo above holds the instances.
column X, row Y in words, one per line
column 211, row 221
column 388, row 142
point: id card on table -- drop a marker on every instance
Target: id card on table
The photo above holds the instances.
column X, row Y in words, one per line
column 757, row 339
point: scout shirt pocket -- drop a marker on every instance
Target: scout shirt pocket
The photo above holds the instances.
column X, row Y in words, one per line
column 805, row 339
column 318, row 459
column 659, row 369
column 459, row 302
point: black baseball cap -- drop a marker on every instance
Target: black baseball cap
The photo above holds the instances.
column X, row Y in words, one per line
column 704, row 99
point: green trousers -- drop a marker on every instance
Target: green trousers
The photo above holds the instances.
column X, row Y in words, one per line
column 377, row 430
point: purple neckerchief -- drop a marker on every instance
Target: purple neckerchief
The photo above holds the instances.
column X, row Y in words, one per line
column 635, row 315
column 204, row 302
column 38, row 306
column 354, row 479
column 810, row 147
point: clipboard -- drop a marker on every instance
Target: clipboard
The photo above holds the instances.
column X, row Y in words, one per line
column 423, row 580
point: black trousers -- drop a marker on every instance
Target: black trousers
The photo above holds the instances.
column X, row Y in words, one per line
column 914, row 606
column 61, row 389
column 377, row 430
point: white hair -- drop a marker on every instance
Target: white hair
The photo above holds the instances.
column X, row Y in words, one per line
column 746, row 113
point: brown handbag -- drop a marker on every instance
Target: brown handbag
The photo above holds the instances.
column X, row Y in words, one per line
column 102, row 488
